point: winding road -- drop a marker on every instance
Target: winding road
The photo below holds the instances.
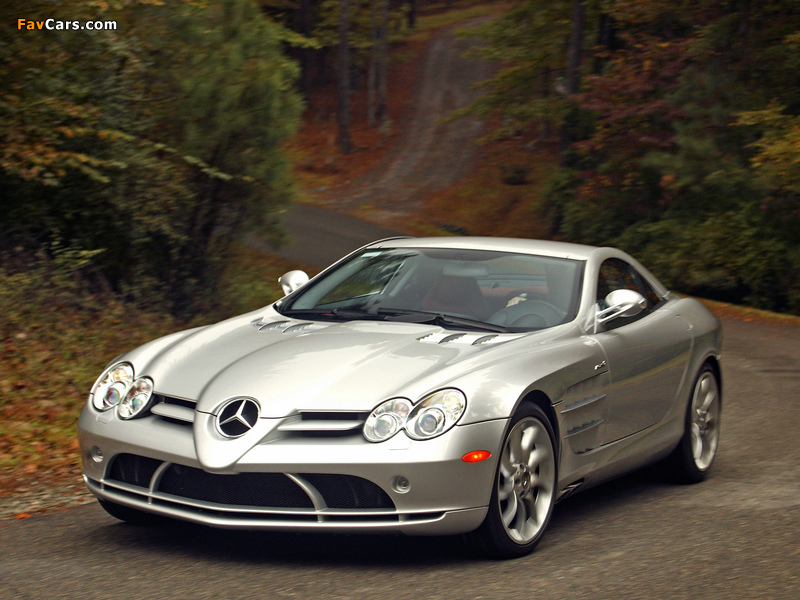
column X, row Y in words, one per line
column 428, row 155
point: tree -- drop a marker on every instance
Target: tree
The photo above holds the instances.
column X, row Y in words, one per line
column 412, row 13
column 529, row 42
column 372, row 65
column 383, row 59
column 573, row 77
column 667, row 173
column 148, row 147
column 681, row 123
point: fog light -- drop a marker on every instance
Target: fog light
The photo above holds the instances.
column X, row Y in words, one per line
column 96, row 454
column 401, row 485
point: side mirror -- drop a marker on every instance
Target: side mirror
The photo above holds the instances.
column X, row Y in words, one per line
column 292, row 280
column 622, row 303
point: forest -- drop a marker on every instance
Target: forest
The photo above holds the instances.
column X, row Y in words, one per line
column 130, row 155
column 677, row 131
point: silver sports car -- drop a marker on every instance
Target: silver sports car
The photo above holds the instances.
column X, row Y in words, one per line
column 423, row 386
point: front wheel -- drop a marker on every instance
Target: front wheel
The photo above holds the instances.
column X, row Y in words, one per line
column 524, row 488
column 692, row 459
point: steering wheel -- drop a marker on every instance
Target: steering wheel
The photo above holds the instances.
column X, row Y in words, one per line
column 536, row 314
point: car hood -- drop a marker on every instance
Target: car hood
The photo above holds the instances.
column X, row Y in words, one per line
column 292, row 365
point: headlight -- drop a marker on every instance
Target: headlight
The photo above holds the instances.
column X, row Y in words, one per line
column 431, row 417
column 387, row 419
column 112, row 386
column 136, row 400
column 117, row 387
column 436, row 414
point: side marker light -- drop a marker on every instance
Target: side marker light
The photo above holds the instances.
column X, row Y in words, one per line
column 476, row 456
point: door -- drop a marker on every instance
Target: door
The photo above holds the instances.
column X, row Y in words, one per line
column 647, row 355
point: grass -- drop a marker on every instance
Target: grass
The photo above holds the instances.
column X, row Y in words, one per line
column 55, row 344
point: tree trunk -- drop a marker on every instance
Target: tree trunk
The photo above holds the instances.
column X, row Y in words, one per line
column 373, row 62
column 605, row 40
column 343, row 112
column 305, row 53
column 412, row 13
column 575, row 41
column 573, row 72
column 544, row 134
column 383, row 32
column 744, row 18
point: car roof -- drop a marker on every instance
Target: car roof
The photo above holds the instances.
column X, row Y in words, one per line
column 522, row 246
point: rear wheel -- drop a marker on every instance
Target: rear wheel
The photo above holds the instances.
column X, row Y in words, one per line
column 692, row 459
column 524, row 488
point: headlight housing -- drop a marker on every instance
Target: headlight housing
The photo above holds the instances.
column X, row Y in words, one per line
column 112, row 386
column 117, row 387
column 137, row 399
column 431, row 417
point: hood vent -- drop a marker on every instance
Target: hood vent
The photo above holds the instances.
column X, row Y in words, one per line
column 467, row 339
column 300, row 327
column 285, row 326
column 266, row 326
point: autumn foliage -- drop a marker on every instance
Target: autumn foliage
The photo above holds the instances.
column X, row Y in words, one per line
column 681, row 144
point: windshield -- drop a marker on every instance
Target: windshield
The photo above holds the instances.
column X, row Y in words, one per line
column 495, row 291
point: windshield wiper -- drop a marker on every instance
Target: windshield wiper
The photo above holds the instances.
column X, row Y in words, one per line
column 442, row 319
column 338, row 314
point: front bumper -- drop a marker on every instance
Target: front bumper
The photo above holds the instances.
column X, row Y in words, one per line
column 343, row 484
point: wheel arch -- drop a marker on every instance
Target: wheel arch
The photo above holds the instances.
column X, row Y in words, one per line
column 713, row 361
column 542, row 400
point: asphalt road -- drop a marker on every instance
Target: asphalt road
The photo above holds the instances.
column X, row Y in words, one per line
column 318, row 237
column 736, row 535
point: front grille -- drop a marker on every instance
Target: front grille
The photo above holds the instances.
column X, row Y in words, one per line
column 323, row 424
column 174, row 410
column 263, row 490
column 243, row 489
column 134, row 470
column 175, row 401
column 347, row 491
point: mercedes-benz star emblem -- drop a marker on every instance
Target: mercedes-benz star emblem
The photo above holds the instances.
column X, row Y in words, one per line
column 237, row 417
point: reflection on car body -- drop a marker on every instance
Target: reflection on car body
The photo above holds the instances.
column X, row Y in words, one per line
column 425, row 386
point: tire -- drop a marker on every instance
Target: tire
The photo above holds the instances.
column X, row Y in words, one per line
column 131, row 515
column 524, row 488
column 691, row 461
